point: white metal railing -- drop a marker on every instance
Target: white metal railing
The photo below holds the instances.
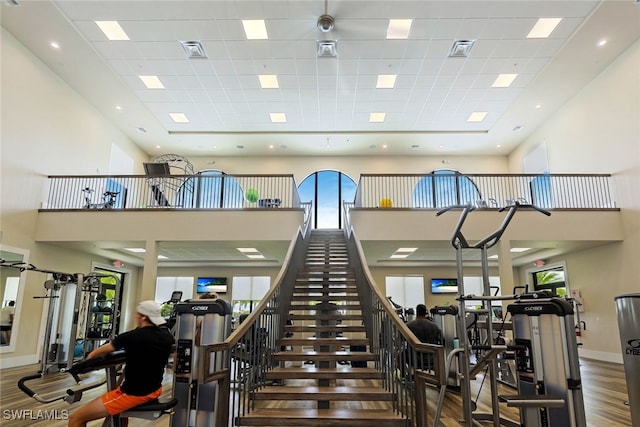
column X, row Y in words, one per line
column 436, row 190
column 170, row 191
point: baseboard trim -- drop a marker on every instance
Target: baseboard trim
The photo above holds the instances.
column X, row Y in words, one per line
column 14, row 362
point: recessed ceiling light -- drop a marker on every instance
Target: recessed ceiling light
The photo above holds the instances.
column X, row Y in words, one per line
column 399, row 28
column 504, row 80
column 602, row 42
column 518, row 250
column 406, row 250
column 398, row 256
column 119, row 108
column 257, row 256
column 271, row 146
column 386, row 81
column 498, row 146
column 179, row 117
column 248, row 250
column 157, row 146
column 142, row 130
column 268, row 81
column 384, row 146
column 538, row 105
column 255, row 29
column 278, row 117
column 152, row 82
column 492, row 257
column 543, row 28
column 54, row 45
column 477, row 116
column 377, row 117
column 112, row 30
column 136, row 250
column 162, row 257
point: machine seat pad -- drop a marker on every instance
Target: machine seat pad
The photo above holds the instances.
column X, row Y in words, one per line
column 156, row 405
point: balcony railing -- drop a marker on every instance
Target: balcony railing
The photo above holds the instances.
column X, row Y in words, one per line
column 436, row 190
column 170, row 192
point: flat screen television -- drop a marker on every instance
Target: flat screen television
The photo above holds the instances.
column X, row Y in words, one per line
column 211, row 284
column 444, row 286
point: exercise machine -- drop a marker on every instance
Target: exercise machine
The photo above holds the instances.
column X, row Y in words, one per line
column 108, row 199
column 445, row 318
column 547, row 364
column 628, row 313
column 486, row 352
column 111, row 363
column 201, row 403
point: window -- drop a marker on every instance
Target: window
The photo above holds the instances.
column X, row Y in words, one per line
column 327, row 190
column 444, row 188
column 247, row 291
column 211, row 189
column 165, row 286
column 407, row 291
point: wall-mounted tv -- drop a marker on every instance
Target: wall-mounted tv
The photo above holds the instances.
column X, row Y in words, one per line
column 444, row 286
column 211, row 284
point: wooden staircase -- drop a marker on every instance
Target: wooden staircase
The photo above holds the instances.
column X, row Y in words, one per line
column 322, row 383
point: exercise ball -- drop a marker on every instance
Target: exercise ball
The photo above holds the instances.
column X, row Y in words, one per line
column 251, row 195
column 386, row 203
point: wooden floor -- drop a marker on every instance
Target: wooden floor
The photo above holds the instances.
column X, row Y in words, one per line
column 604, row 389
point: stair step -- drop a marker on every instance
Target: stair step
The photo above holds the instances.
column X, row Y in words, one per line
column 314, row 307
column 338, row 373
column 333, row 341
column 314, row 316
column 322, row 418
column 324, row 328
column 324, row 297
column 360, row 356
column 323, row 393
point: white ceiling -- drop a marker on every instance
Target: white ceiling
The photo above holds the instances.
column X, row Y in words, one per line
column 327, row 101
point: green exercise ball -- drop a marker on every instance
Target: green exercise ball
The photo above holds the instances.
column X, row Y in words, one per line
column 251, row 195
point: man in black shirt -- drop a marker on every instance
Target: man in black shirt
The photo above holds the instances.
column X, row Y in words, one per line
column 426, row 331
column 147, row 350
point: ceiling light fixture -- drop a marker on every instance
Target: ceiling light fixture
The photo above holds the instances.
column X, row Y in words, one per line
column 179, row 117
column 399, row 29
column 152, row 82
column 278, row 117
column 268, row 81
column 377, row 117
column 112, row 30
column 255, row 29
column 477, row 116
column 543, row 28
column 386, row 81
column 54, row 45
column 602, row 42
column 136, row 250
column 504, row 80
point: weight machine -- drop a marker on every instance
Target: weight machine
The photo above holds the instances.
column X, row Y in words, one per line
column 530, row 400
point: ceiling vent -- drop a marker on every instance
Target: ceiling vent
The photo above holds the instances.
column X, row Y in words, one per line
column 461, row 48
column 193, row 49
column 327, row 48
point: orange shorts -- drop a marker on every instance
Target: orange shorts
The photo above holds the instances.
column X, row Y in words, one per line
column 116, row 402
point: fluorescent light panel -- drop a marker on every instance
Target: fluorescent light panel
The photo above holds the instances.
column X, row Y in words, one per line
column 398, row 29
column 278, row 117
column 477, row 116
column 179, row 117
column 543, row 28
column 398, row 256
column 152, row 82
column 256, row 256
column 386, row 81
column 377, row 117
column 410, row 250
column 255, row 29
column 248, row 250
column 268, row 81
column 112, row 30
column 136, row 250
column 518, row 250
column 504, row 80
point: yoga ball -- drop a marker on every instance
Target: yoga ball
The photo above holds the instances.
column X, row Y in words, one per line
column 251, row 195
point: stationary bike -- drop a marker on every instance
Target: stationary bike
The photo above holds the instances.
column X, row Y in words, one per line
column 108, row 199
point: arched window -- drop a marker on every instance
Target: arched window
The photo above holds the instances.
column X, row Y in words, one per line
column 444, row 187
column 214, row 189
column 327, row 189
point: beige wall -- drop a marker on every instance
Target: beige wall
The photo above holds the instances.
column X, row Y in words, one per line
column 598, row 131
column 48, row 129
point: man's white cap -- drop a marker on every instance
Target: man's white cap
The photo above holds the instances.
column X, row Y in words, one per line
column 152, row 311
